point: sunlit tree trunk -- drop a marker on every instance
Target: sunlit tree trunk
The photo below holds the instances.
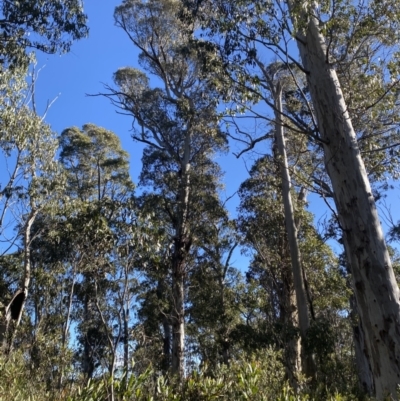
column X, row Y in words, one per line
column 182, row 245
column 27, row 277
column 307, row 363
column 374, row 283
column 178, row 324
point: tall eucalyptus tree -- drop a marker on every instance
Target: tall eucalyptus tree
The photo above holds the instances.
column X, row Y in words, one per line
column 262, row 223
column 30, row 178
column 97, row 208
column 329, row 36
column 178, row 122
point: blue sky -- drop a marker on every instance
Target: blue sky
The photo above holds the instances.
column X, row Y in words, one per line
column 91, row 63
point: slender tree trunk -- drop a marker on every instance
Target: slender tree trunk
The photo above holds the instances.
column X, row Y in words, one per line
column 165, row 321
column 224, row 340
column 125, row 307
column 182, row 244
column 113, row 343
column 27, row 261
column 165, row 364
column 374, row 283
column 27, row 275
column 290, row 318
column 125, row 316
column 178, row 322
column 307, row 363
column 65, row 330
column 87, row 364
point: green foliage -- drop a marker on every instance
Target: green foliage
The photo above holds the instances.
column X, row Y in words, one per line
column 17, row 384
column 261, row 378
column 46, row 25
column 103, row 260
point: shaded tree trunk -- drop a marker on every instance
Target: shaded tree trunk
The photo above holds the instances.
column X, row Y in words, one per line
column 165, row 364
column 365, row 378
column 290, row 318
column 87, row 363
column 374, row 283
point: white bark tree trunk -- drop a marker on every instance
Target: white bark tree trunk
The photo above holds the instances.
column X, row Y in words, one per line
column 178, row 327
column 307, row 363
column 27, row 261
column 182, row 245
column 374, row 283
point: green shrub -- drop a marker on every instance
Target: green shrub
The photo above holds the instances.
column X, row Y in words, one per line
column 262, row 378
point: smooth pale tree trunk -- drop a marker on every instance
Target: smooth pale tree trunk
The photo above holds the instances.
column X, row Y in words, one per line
column 182, row 245
column 307, row 362
column 27, row 274
column 178, row 326
column 374, row 283
column 290, row 318
column 27, row 261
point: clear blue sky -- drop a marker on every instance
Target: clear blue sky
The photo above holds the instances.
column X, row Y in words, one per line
column 90, row 64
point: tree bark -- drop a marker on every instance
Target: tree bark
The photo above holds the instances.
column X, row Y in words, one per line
column 290, row 319
column 178, row 326
column 364, row 373
column 125, row 317
column 182, row 244
column 27, row 261
column 165, row 363
column 374, row 283
column 307, row 362
column 27, row 275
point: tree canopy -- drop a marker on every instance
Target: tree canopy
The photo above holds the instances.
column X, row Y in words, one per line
column 161, row 287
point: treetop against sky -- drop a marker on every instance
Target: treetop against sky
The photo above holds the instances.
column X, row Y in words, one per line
column 91, row 63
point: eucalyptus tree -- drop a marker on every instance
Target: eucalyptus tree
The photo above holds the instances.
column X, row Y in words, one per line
column 31, row 176
column 98, row 204
column 46, row 25
column 160, row 179
column 215, row 295
column 275, row 80
column 262, row 223
column 374, row 282
column 177, row 121
column 326, row 35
